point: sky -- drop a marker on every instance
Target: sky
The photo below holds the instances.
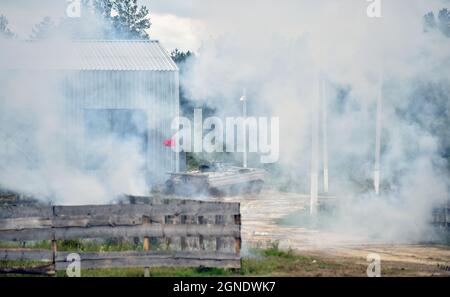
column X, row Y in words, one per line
column 186, row 24
column 173, row 22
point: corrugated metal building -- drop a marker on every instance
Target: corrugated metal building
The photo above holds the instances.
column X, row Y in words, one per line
column 122, row 87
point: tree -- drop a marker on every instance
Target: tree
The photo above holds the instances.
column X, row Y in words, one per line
column 130, row 21
column 429, row 21
column 94, row 23
column 442, row 23
column 108, row 19
column 180, row 57
column 103, row 8
column 5, row 32
column 45, row 29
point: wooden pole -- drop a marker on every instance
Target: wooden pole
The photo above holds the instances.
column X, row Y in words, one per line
column 145, row 221
column 54, row 251
column 219, row 241
column 237, row 240
column 201, row 243
column 183, row 241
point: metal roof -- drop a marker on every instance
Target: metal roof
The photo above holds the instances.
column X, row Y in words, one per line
column 116, row 55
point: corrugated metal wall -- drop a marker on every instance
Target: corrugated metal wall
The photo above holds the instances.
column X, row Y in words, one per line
column 155, row 92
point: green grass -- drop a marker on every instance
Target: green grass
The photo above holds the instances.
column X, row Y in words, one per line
column 78, row 245
column 274, row 261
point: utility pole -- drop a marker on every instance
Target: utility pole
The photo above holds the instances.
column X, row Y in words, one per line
column 243, row 99
column 178, row 152
column 324, row 101
column 314, row 184
column 377, row 170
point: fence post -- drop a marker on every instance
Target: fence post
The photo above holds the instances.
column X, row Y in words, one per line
column 183, row 240
column 54, row 251
column 201, row 244
column 219, row 220
column 146, row 221
column 237, row 240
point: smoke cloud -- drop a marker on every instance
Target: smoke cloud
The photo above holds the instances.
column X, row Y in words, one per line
column 36, row 153
column 279, row 53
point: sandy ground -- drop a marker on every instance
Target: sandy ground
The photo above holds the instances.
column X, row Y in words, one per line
column 260, row 228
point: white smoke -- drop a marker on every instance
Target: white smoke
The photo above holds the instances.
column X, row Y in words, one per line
column 36, row 146
column 277, row 50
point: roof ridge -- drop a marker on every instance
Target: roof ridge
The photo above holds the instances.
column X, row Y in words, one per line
column 118, row 40
column 97, row 40
column 91, row 55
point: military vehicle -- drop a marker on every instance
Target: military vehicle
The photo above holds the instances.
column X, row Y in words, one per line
column 217, row 180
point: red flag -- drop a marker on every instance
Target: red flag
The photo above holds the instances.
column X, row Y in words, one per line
column 169, row 142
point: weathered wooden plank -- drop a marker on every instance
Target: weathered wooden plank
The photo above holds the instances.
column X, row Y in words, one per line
column 78, row 220
column 7, row 212
column 61, row 256
column 154, row 259
column 151, row 262
column 46, row 255
column 145, row 230
column 37, row 270
column 92, row 221
column 75, row 221
column 161, row 206
column 25, row 223
column 25, row 254
column 119, row 231
column 182, row 208
column 27, row 234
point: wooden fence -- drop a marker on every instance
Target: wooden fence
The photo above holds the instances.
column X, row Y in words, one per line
column 441, row 217
column 173, row 233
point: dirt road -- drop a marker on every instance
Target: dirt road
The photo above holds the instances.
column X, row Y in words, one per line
column 260, row 227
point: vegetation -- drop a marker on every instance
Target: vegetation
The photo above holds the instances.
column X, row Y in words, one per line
column 44, row 29
column 130, row 21
column 100, row 19
column 441, row 23
column 5, row 32
column 79, row 245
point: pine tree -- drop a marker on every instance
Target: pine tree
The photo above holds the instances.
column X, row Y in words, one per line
column 45, row 29
column 130, row 21
column 180, row 57
column 109, row 19
column 442, row 23
column 429, row 22
column 5, row 32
